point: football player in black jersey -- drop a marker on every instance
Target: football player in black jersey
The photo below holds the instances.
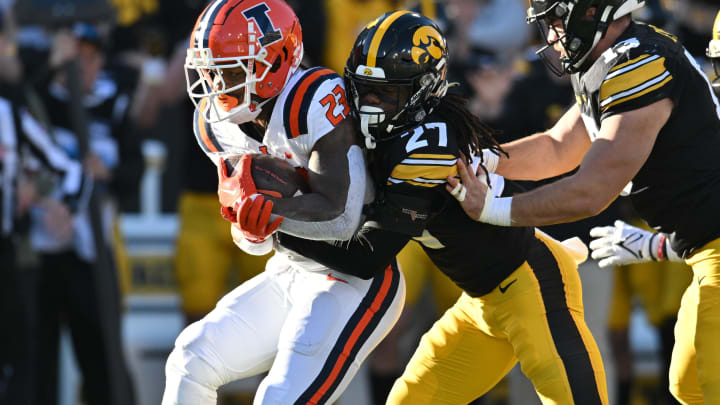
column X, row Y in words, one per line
column 646, row 124
column 522, row 297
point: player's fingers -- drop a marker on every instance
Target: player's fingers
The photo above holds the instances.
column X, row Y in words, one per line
column 255, row 209
column 243, row 211
column 602, row 231
column 264, row 218
column 274, row 225
column 609, row 262
column 602, row 253
column 459, row 192
column 619, row 223
column 463, row 171
column 600, row 243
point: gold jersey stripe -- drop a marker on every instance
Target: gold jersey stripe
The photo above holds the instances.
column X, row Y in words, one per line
column 415, row 183
column 378, row 36
column 635, row 95
column 630, row 62
column 431, row 156
column 632, row 78
column 409, row 172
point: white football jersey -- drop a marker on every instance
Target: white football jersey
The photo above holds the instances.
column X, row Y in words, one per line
column 309, row 107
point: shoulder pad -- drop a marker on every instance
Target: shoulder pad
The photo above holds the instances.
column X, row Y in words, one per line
column 424, row 169
column 203, row 131
column 425, row 156
column 299, row 99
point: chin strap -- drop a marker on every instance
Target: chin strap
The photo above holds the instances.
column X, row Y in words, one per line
column 370, row 116
column 247, row 113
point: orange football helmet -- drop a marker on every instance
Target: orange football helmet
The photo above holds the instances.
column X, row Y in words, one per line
column 261, row 37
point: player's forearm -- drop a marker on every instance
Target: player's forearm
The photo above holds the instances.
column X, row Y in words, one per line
column 332, row 214
column 567, row 200
column 535, row 157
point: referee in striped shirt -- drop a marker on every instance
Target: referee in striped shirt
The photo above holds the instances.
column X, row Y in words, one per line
column 22, row 139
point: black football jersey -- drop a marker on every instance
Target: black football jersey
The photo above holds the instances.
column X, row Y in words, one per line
column 410, row 173
column 677, row 190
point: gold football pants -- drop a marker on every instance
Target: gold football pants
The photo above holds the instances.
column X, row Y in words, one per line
column 419, row 271
column 695, row 366
column 659, row 285
column 535, row 316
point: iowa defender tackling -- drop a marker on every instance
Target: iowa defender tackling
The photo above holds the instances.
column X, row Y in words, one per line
column 522, row 297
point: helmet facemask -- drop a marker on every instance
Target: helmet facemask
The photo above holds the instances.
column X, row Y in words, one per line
column 260, row 40
column 414, row 98
column 580, row 31
column 211, row 84
column 716, row 65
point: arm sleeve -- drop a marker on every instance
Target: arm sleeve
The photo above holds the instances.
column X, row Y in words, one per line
column 343, row 226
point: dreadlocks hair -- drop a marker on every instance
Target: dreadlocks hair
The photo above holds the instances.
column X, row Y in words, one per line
column 473, row 135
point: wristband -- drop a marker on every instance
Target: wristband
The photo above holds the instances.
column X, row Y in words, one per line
column 497, row 210
column 661, row 249
column 650, row 246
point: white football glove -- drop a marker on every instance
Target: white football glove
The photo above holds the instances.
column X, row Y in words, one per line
column 625, row 244
column 622, row 244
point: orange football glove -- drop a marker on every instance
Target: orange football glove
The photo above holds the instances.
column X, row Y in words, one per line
column 254, row 219
column 234, row 188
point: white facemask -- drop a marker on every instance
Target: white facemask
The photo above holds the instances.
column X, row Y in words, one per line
column 372, row 118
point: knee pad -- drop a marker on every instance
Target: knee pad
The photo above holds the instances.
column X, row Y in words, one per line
column 192, row 358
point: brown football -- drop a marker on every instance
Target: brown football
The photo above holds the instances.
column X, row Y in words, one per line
column 275, row 177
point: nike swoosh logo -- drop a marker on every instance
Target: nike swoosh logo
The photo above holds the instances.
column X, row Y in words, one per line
column 700, row 280
column 331, row 278
column 503, row 289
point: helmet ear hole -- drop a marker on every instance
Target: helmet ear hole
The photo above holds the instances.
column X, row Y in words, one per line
column 276, row 65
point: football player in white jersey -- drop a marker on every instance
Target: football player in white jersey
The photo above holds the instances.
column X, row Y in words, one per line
column 309, row 326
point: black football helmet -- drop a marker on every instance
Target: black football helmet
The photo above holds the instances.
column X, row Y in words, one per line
column 713, row 51
column 406, row 54
column 582, row 33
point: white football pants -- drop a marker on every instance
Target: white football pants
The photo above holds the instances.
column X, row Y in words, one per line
column 310, row 329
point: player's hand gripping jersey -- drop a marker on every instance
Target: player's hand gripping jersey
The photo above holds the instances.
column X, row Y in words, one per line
column 411, row 202
column 644, row 66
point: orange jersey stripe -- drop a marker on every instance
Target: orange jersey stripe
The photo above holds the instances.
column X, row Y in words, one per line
column 299, row 96
column 202, row 128
column 359, row 328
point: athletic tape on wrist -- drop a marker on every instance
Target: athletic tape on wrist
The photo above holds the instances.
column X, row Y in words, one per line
column 497, row 211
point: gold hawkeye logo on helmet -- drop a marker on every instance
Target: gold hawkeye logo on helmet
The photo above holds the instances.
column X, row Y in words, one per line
column 428, row 43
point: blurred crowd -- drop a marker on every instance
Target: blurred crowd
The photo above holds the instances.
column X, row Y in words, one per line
column 82, row 88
